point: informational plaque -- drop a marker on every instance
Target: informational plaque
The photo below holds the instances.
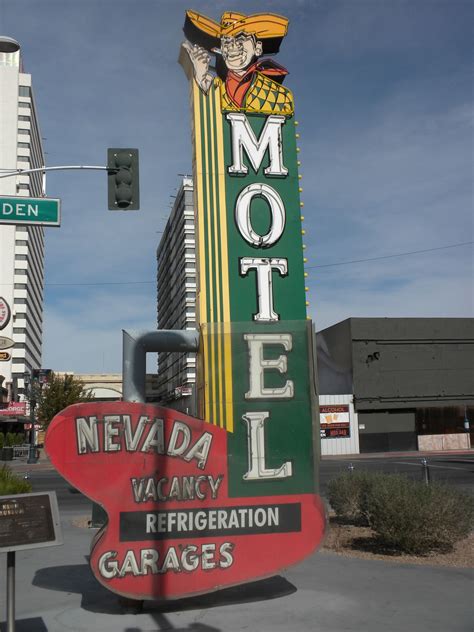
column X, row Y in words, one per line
column 29, row 521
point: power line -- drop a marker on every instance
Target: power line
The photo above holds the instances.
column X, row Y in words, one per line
column 325, row 265
column 400, row 254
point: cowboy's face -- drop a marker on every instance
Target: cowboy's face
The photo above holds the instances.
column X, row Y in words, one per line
column 238, row 52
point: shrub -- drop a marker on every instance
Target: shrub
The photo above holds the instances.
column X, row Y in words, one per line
column 405, row 515
column 2, row 440
column 347, row 495
column 11, row 484
column 10, row 439
column 413, row 517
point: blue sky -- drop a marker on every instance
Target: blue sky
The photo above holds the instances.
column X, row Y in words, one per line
column 383, row 94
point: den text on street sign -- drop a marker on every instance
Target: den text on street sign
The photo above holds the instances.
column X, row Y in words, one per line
column 23, row 210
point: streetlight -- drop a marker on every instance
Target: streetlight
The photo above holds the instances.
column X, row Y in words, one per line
column 8, row 44
column 31, row 394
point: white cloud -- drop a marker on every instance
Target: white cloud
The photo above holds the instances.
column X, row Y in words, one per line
column 83, row 333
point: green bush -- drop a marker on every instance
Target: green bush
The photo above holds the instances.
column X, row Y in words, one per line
column 11, row 484
column 348, row 493
column 413, row 517
column 2, row 440
column 10, row 439
column 406, row 515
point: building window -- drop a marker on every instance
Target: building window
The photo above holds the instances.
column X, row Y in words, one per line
column 24, row 145
column 20, row 286
column 22, row 117
column 24, row 91
column 23, row 104
column 24, row 131
column 24, row 159
column 21, row 258
column 23, row 187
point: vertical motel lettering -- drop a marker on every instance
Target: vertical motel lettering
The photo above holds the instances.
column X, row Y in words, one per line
column 271, row 140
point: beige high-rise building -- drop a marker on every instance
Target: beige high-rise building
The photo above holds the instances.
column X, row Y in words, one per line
column 21, row 247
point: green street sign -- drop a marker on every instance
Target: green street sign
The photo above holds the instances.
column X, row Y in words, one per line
column 23, row 210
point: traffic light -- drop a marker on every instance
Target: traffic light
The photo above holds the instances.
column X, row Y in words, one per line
column 41, row 376
column 123, row 185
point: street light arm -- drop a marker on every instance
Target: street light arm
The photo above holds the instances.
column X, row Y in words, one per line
column 20, row 172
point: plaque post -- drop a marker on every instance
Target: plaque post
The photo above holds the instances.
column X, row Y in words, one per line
column 11, row 591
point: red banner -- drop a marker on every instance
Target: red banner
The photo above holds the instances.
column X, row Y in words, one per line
column 14, row 408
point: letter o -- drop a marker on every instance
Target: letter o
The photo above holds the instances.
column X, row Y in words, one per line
column 242, row 215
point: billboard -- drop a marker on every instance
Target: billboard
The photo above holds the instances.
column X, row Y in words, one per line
column 195, row 505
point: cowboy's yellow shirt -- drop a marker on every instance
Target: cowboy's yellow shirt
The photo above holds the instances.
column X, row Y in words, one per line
column 264, row 96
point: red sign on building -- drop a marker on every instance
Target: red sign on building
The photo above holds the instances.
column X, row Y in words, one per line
column 173, row 530
column 14, row 408
column 335, row 421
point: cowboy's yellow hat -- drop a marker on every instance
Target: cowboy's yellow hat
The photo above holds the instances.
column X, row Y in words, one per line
column 269, row 28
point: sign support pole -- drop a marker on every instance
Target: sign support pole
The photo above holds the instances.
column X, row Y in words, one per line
column 11, row 591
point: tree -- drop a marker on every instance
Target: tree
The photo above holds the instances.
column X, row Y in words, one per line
column 58, row 393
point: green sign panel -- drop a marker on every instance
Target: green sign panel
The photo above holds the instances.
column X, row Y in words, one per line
column 255, row 365
column 23, row 210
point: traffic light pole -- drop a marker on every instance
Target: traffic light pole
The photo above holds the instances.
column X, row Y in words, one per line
column 8, row 173
column 123, row 177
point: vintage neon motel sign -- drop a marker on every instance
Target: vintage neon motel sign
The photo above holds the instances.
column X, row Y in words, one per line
column 195, row 505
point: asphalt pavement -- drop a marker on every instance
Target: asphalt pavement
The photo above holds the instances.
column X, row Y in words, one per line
column 56, row 592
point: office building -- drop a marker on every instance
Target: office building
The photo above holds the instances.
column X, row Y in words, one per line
column 21, row 247
column 176, row 301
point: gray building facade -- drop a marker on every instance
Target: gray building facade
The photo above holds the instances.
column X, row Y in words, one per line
column 176, row 299
column 410, row 377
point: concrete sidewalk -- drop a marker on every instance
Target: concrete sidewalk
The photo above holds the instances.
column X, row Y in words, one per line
column 56, row 592
column 397, row 455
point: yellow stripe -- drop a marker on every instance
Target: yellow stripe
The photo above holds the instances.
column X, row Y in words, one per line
column 218, row 267
column 226, row 329
column 211, row 389
column 201, row 252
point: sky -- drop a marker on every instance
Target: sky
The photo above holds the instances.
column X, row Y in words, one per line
column 383, row 94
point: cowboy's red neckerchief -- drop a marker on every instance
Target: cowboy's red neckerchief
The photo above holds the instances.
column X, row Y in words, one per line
column 237, row 86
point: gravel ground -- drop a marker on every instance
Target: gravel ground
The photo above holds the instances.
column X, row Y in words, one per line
column 353, row 541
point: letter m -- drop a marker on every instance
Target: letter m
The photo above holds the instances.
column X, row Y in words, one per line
column 243, row 137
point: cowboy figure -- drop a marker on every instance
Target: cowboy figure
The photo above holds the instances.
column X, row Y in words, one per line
column 246, row 82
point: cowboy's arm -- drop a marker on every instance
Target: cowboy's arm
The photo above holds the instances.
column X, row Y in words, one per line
column 200, row 60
